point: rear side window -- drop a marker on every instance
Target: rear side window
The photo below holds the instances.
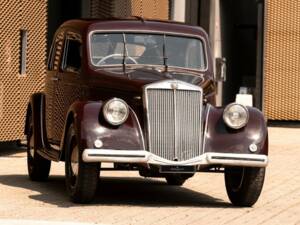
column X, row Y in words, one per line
column 72, row 53
column 72, row 61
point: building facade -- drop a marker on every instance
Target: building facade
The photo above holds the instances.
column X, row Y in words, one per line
column 259, row 39
column 23, row 29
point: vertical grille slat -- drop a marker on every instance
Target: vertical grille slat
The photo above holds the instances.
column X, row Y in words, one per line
column 174, row 122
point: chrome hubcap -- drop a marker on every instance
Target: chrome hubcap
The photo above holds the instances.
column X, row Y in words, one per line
column 74, row 161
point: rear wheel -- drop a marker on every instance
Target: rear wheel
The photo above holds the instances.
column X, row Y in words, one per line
column 81, row 177
column 38, row 167
column 244, row 184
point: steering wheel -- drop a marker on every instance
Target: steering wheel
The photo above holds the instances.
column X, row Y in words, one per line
column 101, row 61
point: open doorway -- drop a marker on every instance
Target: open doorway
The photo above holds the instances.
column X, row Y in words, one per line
column 59, row 12
column 242, row 46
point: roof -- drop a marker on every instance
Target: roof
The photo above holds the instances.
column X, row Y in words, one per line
column 133, row 23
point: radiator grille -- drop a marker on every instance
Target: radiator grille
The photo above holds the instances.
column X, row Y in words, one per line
column 174, row 123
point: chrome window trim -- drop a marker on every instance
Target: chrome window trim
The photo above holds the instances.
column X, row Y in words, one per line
column 167, row 85
column 205, row 48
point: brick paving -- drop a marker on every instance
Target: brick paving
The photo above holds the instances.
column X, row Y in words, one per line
column 125, row 198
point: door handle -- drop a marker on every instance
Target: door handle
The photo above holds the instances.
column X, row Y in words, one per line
column 55, row 79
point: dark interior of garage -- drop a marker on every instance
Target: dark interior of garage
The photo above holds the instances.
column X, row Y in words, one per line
column 242, row 34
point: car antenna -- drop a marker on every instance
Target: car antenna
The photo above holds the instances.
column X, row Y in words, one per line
column 164, row 54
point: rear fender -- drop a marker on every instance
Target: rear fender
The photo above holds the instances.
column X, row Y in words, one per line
column 222, row 139
column 36, row 111
column 90, row 125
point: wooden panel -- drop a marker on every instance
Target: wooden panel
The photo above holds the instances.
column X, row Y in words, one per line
column 152, row 9
column 282, row 60
column 17, row 15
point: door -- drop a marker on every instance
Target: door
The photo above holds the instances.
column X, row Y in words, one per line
column 54, row 62
column 68, row 87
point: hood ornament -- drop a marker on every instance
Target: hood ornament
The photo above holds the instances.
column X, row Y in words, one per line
column 174, row 86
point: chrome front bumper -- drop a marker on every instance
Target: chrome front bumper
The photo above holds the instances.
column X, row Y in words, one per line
column 141, row 156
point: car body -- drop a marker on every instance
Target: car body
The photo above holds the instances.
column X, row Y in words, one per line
column 140, row 94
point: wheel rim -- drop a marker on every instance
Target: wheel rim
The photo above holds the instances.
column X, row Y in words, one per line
column 74, row 161
column 74, row 164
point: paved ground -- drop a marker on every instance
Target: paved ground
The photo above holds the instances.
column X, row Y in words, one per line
column 124, row 198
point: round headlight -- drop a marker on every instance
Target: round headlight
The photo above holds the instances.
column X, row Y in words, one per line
column 115, row 111
column 236, row 116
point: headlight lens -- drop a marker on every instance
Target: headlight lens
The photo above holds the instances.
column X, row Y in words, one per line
column 115, row 111
column 236, row 116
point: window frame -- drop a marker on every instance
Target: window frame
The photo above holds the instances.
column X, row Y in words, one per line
column 23, row 51
column 52, row 53
column 199, row 37
column 69, row 35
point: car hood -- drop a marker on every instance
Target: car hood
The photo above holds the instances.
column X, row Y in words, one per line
column 134, row 79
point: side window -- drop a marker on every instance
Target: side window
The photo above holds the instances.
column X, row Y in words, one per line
column 56, row 52
column 72, row 54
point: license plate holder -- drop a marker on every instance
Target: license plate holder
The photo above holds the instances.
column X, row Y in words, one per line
column 177, row 169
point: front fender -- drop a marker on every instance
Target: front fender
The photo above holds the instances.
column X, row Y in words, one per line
column 221, row 139
column 90, row 126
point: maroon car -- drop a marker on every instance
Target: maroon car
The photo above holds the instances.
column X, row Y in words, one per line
column 141, row 94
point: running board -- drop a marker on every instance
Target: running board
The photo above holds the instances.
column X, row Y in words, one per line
column 50, row 154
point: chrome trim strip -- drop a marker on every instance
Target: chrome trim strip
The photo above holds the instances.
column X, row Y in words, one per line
column 205, row 47
column 139, row 126
column 206, row 128
column 166, row 84
column 175, row 125
column 42, row 114
column 110, row 155
column 55, row 147
column 141, row 156
column 232, row 159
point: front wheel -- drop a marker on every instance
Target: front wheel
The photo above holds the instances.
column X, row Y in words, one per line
column 81, row 177
column 244, row 184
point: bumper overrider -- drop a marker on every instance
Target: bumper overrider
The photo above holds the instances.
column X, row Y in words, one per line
column 142, row 156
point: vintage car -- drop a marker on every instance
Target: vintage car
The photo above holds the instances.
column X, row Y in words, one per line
column 140, row 95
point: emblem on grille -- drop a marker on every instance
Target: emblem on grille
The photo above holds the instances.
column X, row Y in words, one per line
column 174, row 86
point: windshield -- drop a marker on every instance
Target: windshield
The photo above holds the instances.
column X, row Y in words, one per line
column 147, row 49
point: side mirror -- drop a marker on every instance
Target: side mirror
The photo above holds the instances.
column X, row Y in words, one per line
column 220, row 69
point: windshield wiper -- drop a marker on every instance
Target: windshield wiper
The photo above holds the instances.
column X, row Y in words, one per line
column 164, row 55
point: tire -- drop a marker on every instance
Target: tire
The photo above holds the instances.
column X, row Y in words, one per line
column 81, row 177
column 38, row 167
column 244, row 184
column 176, row 179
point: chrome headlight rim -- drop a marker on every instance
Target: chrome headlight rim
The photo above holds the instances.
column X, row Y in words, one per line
column 105, row 112
column 231, row 125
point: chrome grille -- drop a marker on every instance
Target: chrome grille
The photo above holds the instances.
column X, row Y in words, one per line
column 174, row 121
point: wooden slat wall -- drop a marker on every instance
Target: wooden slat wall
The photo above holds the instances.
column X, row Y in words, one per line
column 153, row 9
column 15, row 89
column 282, row 60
